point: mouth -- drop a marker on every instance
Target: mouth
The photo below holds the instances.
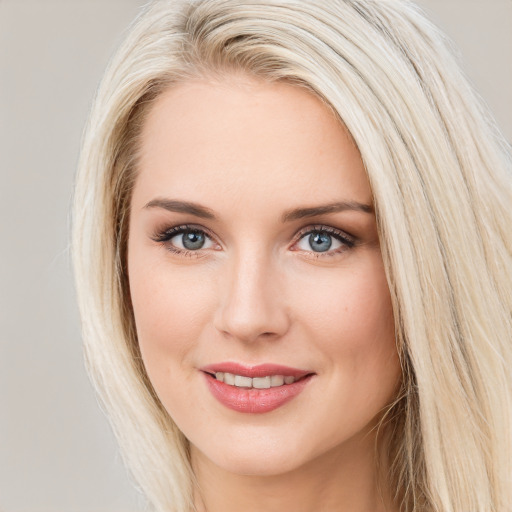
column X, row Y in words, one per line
column 266, row 382
column 255, row 389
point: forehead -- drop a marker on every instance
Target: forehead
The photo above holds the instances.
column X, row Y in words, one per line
column 248, row 137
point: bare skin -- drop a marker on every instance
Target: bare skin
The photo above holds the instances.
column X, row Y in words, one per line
column 333, row 482
column 253, row 240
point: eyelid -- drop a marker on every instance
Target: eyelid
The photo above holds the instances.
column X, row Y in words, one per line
column 345, row 238
column 163, row 236
column 315, row 228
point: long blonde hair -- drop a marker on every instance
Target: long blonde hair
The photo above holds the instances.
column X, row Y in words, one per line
column 441, row 179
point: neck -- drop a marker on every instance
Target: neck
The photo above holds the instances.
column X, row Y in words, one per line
column 344, row 479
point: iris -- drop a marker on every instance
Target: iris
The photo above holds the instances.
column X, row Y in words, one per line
column 193, row 240
column 320, row 242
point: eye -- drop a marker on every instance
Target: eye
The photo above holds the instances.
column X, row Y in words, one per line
column 191, row 240
column 185, row 239
column 324, row 240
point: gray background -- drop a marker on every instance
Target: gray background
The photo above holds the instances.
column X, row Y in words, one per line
column 57, row 453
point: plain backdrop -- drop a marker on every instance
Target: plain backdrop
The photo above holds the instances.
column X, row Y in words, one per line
column 57, row 452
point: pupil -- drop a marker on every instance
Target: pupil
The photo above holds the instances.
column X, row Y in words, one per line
column 193, row 240
column 320, row 242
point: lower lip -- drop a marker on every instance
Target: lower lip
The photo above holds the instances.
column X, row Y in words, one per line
column 255, row 401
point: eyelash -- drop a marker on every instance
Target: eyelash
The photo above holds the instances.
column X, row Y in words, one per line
column 348, row 242
column 166, row 235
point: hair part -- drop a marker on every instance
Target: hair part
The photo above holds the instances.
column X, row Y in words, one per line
column 441, row 180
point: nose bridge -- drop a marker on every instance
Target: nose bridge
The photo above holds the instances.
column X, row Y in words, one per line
column 251, row 304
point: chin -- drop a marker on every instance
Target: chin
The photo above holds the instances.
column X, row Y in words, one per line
column 254, row 459
column 258, row 466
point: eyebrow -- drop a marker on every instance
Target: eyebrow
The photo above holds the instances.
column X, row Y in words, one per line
column 173, row 205
column 301, row 213
column 197, row 210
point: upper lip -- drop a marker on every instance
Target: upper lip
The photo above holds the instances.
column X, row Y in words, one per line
column 260, row 370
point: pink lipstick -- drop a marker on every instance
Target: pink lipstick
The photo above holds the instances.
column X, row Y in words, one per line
column 254, row 389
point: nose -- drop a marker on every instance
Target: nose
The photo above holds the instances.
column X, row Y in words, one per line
column 251, row 303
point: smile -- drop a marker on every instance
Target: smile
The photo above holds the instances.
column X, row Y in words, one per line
column 258, row 389
column 270, row 381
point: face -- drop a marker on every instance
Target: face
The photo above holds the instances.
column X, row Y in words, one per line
column 260, row 300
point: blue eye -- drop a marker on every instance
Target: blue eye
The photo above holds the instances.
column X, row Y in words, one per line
column 323, row 240
column 190, row 240
column 320, row 242
column 193, row 240
column 185, row 238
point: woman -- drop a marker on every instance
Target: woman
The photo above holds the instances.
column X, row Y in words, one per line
column 293, row 256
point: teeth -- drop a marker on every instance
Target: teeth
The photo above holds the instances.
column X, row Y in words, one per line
column 261, row 382
column 243, row 382
column 276, row 380
column 229, row 378
column 270, row 381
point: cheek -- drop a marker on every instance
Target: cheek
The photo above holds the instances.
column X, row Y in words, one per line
column 350, row 309
column 170, row 306
column 351, row 322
